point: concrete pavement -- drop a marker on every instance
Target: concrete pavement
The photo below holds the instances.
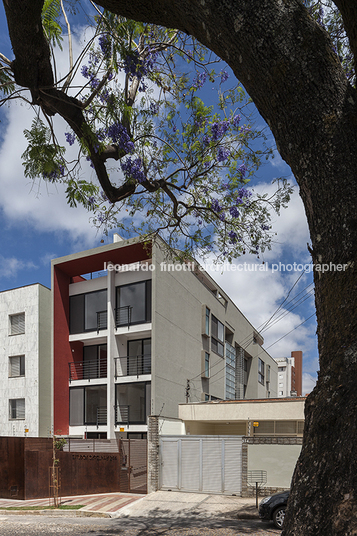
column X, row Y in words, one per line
column 161, row 504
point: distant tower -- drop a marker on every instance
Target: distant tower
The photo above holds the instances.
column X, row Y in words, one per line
column 290, row 375
column 296, row 376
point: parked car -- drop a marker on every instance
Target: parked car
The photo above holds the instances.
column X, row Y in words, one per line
column 273, row 508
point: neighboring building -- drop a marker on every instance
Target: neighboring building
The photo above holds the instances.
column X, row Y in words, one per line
column 257, row 418
column 144, row 337
column 25, row 361
column 290, row 375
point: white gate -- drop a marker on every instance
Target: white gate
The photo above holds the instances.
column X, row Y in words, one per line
column 208, row 464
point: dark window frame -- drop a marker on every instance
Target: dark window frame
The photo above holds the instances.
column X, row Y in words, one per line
column 147, row 299
column 146, row 383
column 83, row 306
column 84, row 388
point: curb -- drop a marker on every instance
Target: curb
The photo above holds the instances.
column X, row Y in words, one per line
column 56, row 513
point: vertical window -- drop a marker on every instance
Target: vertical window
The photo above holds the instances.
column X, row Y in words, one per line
column 95, row 361
column 17, row 324
column 207, row 321
column 134, row 303
column 95, row 404
column 132, row 402
column 139, row 357
column 217, row 338
column 17, row 409
column 16, row 366
column 88, row 312
column 207, row 364
column 261, row 371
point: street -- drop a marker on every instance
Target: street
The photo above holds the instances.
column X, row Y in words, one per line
column 13, row 525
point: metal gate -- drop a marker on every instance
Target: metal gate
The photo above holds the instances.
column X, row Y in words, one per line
column 132, row 459
column 133, row 465
column 209, row 464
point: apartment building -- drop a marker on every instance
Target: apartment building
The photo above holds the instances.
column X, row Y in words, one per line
column 135, row 334
column 25, row 361
column 290, row 375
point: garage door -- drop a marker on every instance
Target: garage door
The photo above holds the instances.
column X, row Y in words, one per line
column 208, row 464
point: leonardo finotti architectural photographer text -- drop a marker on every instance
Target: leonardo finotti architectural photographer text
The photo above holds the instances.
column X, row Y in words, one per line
column 243, row 267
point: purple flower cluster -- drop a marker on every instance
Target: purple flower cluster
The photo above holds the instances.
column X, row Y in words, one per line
column 119, row 135
column 154, row 108
column 136, row 66
column 94, row 82
column 224, row 76
column 219, row 128
column 232, row 236
column 215, row 206
column 265, row 227
column 243, row 196
column 104, row 44
column 199, row 81
column 134, row 169
column 54, row 175
column 234, row 212
column 242, row 170
column 223, row 154
column 70, row 137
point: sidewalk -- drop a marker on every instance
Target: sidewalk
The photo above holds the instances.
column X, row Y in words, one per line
column 100, row 505
column 161, row 504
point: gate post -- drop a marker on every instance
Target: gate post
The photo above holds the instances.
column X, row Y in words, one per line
column 153, row 454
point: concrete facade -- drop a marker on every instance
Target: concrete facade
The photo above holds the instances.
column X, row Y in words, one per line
column 188, row 357
column 265, row 417
column 25, row 362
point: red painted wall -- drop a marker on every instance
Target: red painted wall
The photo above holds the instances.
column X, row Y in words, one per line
column 62, row 352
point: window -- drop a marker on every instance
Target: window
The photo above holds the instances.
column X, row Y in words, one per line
column 88, row 405
column 206, row 364
column 139, row 357
column 217, row 338
column 207, row 321
column 16, row 366
column 133, row 402
column 261, row 371
column 88, row 312
column 95, row 361
column 17, row 409
column 230, row 372
column 17, row 324
column 134, row 303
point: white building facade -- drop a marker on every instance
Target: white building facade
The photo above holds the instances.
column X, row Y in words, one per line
column 25, row 362
column 144, row 336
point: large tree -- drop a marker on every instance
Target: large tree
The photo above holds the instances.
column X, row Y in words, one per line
column 288, row 65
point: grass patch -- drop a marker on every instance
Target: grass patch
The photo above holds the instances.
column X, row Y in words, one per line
column 61, row 507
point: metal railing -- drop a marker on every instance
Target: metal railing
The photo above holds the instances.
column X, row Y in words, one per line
column 122, row 414
column 132, row 365
column 123, row 316
column 102, row 320
column 88, row 370
column 101, row 415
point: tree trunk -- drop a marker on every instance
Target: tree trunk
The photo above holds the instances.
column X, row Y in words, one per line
column 287, row 64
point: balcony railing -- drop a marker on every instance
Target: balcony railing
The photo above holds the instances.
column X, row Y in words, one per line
column 88, row 370
column 129, row 414
column 122, row 414
column 122, row 317
column 132, row 365
column 101, row 415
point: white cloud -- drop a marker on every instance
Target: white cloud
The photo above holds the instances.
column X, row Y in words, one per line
column 10, row 266
column 308, row 383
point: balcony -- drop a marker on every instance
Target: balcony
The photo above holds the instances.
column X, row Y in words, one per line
column 132, row 365
column 129, row 414
column 101, row 416
column 122, row 317
column 88, row 370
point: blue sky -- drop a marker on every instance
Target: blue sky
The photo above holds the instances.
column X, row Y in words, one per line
column 37, row 225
